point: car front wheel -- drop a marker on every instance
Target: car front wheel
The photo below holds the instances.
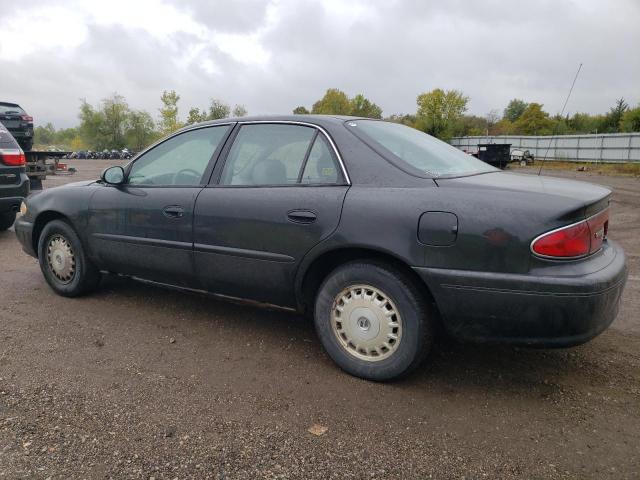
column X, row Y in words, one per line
column 63, row 261
column 373, row 321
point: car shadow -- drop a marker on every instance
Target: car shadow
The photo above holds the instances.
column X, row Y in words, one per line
column 450, row 367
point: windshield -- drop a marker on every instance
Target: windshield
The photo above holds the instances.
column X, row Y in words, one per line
column 8, row 108
column 402, row 144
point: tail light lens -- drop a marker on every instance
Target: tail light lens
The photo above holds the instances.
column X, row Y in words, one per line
column 575, row 240
column 13, row 157
column 27, row 118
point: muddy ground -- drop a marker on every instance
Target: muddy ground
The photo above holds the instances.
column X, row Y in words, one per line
column 137, row 381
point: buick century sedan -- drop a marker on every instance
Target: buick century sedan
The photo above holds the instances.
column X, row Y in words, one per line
column 380, row 232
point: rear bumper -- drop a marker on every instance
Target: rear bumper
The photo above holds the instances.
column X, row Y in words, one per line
column 22, row 133
column 563, row 306
column 11, row 195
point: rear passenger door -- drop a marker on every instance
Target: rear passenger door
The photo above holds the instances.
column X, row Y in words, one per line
column 279, row 192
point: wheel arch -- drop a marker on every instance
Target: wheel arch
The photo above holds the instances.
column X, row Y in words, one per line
column 311, row 277
column 41, row 220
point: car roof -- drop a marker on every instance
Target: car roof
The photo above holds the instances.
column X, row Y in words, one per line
column 9, row 104
column 319, row 120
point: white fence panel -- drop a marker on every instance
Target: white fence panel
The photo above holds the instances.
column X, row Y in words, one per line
column 614, row 148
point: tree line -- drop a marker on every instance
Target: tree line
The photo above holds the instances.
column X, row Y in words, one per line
column 443, row 114
column 112, row 124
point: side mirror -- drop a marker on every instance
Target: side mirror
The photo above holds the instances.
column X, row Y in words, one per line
column 113, row 175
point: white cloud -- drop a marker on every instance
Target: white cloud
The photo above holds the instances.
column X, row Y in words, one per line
column 274, row 55
column 48, row 28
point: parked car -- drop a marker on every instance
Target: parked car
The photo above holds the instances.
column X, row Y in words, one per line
column 19, row 124
column 14, row 183
column 379, row 231
column 524, row 157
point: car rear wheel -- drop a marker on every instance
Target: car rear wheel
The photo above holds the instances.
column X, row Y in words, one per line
column 373, row 320
column 6, row 220
column 63, row 261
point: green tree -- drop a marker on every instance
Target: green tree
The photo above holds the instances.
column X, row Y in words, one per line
column 630, row 121
column 169, row 112
column 439, row 112
column 140, row 130
column 584, row 123
column 196, row 116
column 405, row 119
column 503, row 127
column 533, row 121
column 471, row 125
column 300, row 111
column 44, row 135
column 492, row 118
column 611, row 121
column 91, row 128
column 515, row 109
column 115, row 112
column 240, row 111
column 218, row 109
column 363, row 107
column 65, row 136
column 334, row 102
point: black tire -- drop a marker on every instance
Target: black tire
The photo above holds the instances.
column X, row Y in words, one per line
column 6, row 220
column 85, row 276
column 416, row 318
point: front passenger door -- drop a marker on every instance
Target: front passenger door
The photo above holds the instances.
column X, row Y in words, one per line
column 145, row 227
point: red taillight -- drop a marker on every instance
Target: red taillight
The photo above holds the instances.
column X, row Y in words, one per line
column 13, row 157
column 599, row 227
column 575, row 240
column 27, row 118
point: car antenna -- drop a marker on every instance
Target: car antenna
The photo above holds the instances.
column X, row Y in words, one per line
column 555, row 130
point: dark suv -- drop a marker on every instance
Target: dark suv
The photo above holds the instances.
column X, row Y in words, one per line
column 14, row 183
column 19, row 124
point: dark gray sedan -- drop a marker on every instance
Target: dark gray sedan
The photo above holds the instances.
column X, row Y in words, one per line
column 381, row 232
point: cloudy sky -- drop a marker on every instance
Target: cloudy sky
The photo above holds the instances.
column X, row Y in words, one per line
column 274, row 55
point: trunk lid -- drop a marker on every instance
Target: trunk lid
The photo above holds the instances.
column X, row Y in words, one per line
column 560, row 199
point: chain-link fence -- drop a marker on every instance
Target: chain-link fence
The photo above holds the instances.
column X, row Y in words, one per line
column 607, row 148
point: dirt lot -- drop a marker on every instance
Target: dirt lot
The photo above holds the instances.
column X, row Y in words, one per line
column 139, row 382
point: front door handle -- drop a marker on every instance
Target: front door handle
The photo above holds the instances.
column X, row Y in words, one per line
column 302, row 216
column 173, row 211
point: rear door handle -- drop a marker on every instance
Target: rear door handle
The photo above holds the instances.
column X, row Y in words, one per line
column 173, row 211
column 302, row 216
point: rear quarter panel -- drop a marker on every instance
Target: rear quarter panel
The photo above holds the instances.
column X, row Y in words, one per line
column 495, row 228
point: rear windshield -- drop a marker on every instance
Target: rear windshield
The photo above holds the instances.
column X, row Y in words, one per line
column 421, row 153
column 4, row 108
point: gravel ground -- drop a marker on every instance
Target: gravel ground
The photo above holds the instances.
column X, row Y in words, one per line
column 137, row 381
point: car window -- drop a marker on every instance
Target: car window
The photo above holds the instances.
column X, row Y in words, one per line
column 181, row 160
column 267, row 154
column 407, row 146
column 7, row 108
column 321, row 165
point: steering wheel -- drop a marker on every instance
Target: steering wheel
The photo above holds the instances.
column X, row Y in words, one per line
column 186, row 171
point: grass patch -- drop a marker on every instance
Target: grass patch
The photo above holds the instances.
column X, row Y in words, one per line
column 623, row 169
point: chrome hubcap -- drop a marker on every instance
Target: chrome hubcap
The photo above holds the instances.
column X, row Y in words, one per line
column 61, row 259
column 366, row 322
